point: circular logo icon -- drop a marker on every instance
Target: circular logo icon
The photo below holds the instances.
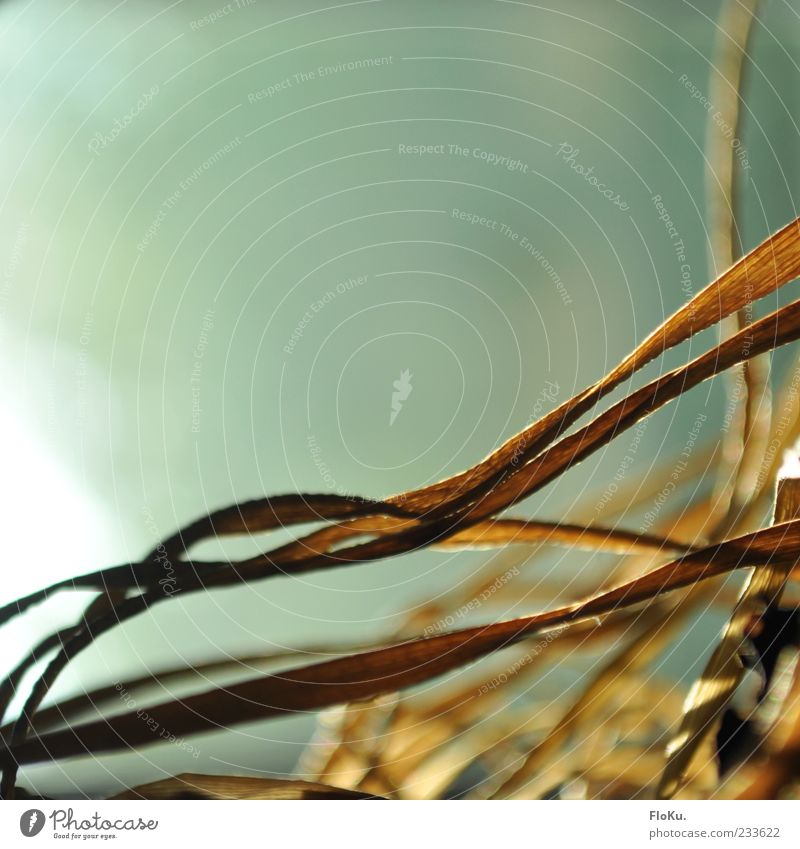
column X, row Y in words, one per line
column 31, row 822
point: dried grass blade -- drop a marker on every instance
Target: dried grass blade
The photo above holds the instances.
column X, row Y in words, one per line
column 659, row 627
column 774, row 330
column 384, row 670
column 192, row 786
column 770, row 265
column 775, row 262
column 781, row 766
column 724, row 669
column 96, row 699
column 744, row 442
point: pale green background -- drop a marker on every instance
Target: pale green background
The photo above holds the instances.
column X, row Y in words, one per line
column 98, row 337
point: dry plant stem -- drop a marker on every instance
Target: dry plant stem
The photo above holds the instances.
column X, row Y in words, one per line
column 784, row 325
column 423, row 619
column 339, row 753
column 492, row 534
column 744, row 441
column 191, row 786
column 9, row 686
column 580, row 535
column 649, row 639
column 785, row 432
column 772, row 264
column 131, row 607
column 659, row 627
column 724, row 670
column 781, row 253
column 64, row 711
column 772, row 331
column 746, row 281
column 245, row 518
column 734, row 34
column 781, row 764
column 386, row 670
column 528, row 769
column 275, row 512
column 416, row 733
column 619, row 539
column 769, row 266
column 489, row 534
column 638, row 650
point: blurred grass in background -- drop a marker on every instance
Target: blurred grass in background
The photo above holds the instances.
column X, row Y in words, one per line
column 227, row 230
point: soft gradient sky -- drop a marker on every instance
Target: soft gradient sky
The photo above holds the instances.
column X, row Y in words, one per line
column 221, row 246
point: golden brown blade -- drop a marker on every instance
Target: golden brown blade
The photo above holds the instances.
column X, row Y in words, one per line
column 724, row 669
column 370, row 673
column 192, row 786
